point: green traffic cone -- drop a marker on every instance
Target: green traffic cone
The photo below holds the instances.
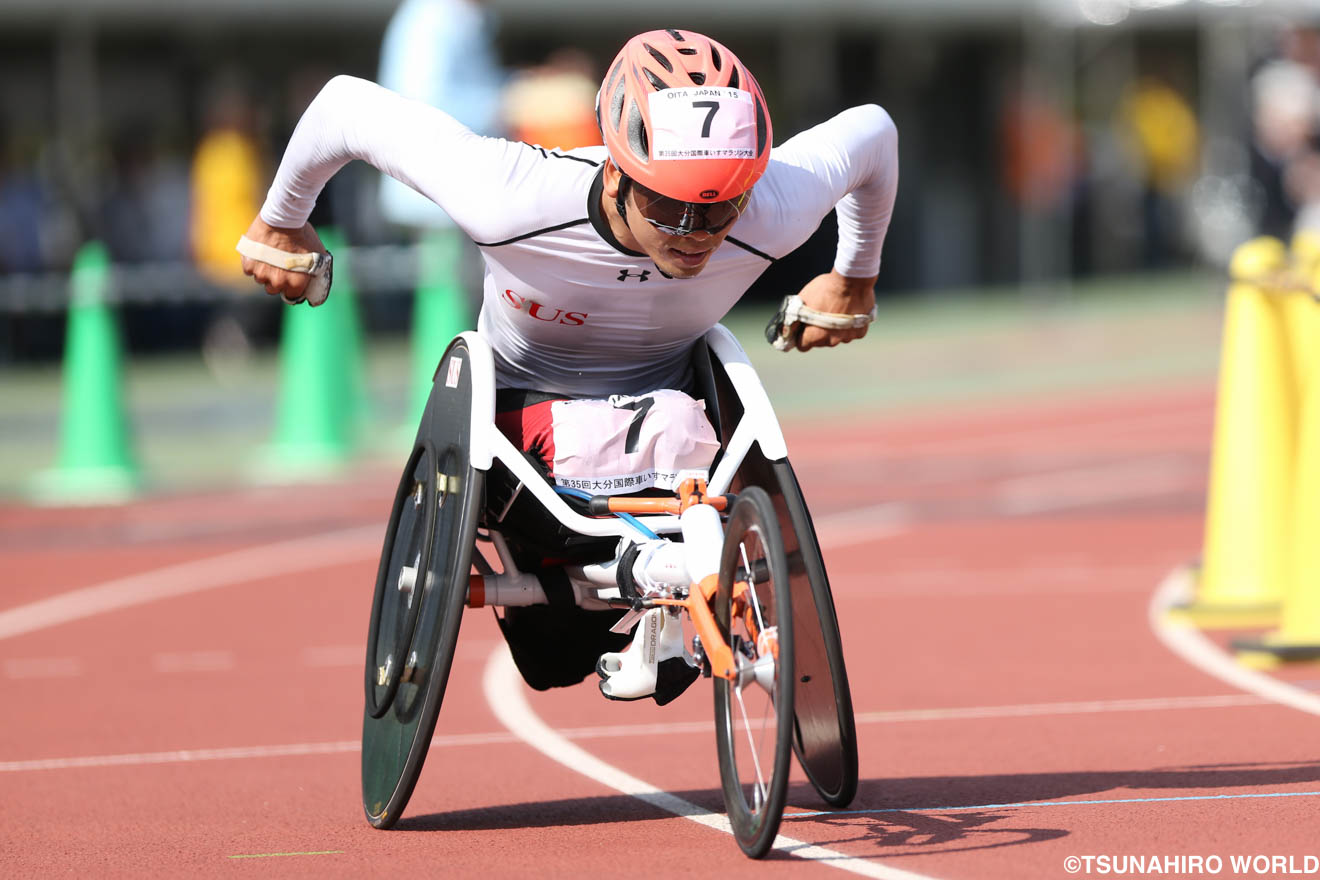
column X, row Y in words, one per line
column 315, row 421
column 349, row 314
column 95, row 464
column 440, row 310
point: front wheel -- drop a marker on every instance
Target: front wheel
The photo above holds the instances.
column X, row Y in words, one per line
column 754, row 710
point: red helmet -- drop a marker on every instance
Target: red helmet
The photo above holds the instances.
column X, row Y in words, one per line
column 682, row 116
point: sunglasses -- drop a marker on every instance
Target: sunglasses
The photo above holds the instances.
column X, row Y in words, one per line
column 673, row 217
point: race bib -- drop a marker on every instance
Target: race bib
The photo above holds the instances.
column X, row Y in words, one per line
column 625, row 444
column 703, row 123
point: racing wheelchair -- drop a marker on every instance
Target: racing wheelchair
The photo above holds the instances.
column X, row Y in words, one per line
column 726, row 571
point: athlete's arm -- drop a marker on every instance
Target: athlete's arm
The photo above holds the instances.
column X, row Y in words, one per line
column 852, row 165
column 468, row 175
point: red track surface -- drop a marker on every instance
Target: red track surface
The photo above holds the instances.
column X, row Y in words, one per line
column 1003, row 580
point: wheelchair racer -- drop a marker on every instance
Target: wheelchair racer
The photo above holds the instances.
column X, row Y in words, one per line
column 605, row 265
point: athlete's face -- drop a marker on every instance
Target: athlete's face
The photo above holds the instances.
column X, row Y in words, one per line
column 681, row 256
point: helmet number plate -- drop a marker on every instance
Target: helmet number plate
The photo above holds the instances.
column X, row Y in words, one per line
column 703, row 123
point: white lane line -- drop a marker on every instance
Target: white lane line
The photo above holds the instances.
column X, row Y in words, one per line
column 180, row 756
column 959, row 440
column 1029, row 495
column 1024, row 580
column 503, row 688
column 237, row 753
column 320, row 656
column 227, row 569
column 43, row 667
column 1080, row 487
column 310, row 553
column 611, row 731
column 193, row 661
column 1185, row 640
column 863, row 525
column 1035, row 710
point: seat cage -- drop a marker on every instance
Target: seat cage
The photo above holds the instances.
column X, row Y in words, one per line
column 756, row 425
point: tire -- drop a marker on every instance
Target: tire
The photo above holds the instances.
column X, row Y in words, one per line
column 414, row 629
column 409, row 540
column 825, row 732
column 754, row 715
column 825, row 738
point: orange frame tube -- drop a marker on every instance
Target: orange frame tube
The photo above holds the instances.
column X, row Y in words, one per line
column 697, row 604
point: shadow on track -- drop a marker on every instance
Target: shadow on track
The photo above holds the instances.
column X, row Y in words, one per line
column 902, row 817
column 557, row 813
column 962, row 813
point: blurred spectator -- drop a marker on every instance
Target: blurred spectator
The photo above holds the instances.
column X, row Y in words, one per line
column 554, row 105
column 145, row 211
column 226, row 183
column 441, row 52
column 1041, row 152
column 22, row 209
column 227, row 175
column 1285, row 98
column 1164, row 139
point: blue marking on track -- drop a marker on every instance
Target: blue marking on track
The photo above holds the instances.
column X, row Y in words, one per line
column 1150, row 800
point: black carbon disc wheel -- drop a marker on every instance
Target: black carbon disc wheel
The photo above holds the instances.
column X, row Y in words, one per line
column 421, row 589
column 409, row 539
column 825, row 732
column 754, row 711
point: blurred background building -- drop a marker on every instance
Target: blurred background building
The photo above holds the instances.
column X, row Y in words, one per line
column 1041, row 140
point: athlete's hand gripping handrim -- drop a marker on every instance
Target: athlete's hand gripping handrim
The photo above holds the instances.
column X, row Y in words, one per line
column 286, row 276
column 839, row 295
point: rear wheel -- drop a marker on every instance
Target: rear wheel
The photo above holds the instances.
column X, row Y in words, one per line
column 394, row 609
column 421, row 588
column 754, row 711
column 826, row 733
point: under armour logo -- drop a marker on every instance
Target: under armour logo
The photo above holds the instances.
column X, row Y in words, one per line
column 624, row 275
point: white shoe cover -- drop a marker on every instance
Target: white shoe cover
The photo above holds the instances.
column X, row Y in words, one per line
column 631, row 674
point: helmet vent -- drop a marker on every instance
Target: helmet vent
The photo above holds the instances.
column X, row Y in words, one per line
column 616, row 104
column 733, row 78
column 715, row 58
column 686, row 50
column 659, row 58
column 637, row 133
column 675, row 34
column 698, row 78
column 613, row 77
column 656, row 82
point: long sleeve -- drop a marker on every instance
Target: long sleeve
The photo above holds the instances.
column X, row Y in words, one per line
column 413, row 142
column 864, row 213
column 850, row 163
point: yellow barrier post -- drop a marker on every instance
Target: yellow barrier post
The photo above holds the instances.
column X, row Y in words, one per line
column 1299, row 305
column 1298, row 635
column 1244, row 563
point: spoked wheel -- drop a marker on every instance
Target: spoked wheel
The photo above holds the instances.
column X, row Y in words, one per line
column 421, row 587
column 754, row 712
column 825, row 735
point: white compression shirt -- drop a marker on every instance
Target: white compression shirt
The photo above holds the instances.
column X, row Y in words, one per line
column 566, row 307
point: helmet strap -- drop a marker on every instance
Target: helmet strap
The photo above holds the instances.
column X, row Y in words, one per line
column 625, row 182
